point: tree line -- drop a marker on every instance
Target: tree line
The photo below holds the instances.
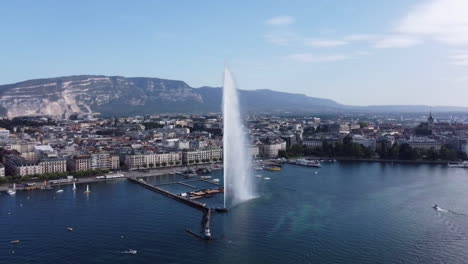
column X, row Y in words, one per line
column 348, row 149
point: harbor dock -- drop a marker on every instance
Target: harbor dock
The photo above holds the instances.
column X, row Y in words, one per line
column 187, row 201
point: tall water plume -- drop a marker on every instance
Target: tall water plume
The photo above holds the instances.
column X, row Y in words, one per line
column 238, row 180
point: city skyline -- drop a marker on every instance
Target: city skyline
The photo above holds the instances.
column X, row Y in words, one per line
column 360, row 53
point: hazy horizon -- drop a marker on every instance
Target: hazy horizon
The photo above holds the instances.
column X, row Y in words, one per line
column 355, row 53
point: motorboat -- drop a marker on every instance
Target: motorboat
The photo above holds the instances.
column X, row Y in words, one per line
column 70, row 229
column 267, row 178
column 215, row 180
column 130, row 251
column 60, row 191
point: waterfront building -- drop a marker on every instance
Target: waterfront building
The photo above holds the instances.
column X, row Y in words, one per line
column 153, row 160
column 253, row 150
column 384, row 143
column 79, row 163
column 290, row 139
column 18, row 166
column 312, row 143
column 163, row 159
column 53, row 165
column 134, row 161
column 270, row 147
column 423, row 143
column 2, row 170
column 115, row 162
column 202, row 155
column 100, row 161
column 365, row 141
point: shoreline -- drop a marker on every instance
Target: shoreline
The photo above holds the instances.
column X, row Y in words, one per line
column 127, row 174
column 174, row 170
column 433, row 162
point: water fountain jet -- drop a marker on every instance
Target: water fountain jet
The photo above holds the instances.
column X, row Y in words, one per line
column 238, row 180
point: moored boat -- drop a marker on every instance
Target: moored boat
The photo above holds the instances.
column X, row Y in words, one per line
column 307, row 163
column 458, row 164
column 273, row 168
column 12, row 191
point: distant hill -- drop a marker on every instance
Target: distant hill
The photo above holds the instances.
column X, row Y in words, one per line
column 119, row 96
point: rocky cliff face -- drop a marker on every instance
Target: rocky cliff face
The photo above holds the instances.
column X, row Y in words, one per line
column 64, row 96
column 121, row 96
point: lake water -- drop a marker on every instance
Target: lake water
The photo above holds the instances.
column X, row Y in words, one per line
column 344, row 213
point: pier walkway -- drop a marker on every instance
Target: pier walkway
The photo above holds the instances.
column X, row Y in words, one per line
column 187, row 201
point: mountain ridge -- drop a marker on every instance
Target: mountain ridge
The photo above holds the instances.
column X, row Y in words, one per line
column 120, row 96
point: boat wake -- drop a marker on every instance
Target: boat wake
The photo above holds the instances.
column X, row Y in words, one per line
column 130, row 251
column 438, row 209
column 443, row 210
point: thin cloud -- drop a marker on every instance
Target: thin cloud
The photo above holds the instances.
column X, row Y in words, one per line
column 396, row 41
column 280, row 20
column 361, row 37
column 459, row 57
column 281, row 38
column 309, row 57
column 442, row 20
column 320, row 43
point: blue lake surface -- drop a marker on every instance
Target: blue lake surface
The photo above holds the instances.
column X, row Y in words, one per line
column 345, row 213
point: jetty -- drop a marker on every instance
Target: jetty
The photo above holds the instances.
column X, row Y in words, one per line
column 187, row 201
column 205, row 232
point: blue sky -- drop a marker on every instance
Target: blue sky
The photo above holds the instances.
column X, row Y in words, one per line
column 360, row 52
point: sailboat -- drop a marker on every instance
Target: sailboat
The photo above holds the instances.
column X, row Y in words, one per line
column 87, row 189
column 74, row 186
column 12, row 191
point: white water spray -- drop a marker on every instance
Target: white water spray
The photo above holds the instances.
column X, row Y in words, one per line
column 238, row 180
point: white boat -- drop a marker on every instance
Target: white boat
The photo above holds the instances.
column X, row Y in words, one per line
column 267, row 178
column 74, row 186
column 87, row 189
column 215, row 180
column 308, row 163
column 459, row 164
column 60, row 191
column 258, row 176
column 130, row 251
column 12, row 191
